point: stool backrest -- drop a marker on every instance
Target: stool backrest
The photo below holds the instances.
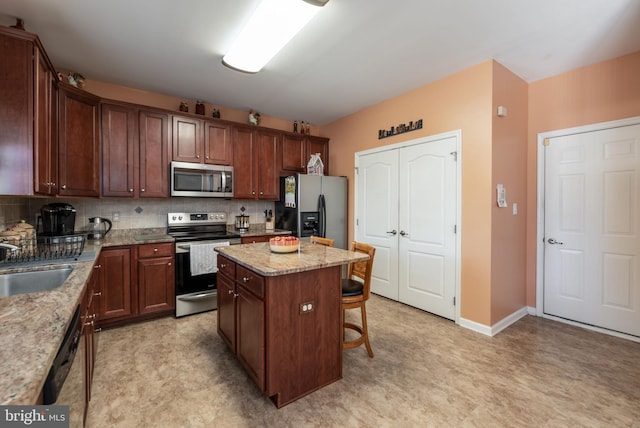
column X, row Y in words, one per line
column 362, row 269
column 327, row 242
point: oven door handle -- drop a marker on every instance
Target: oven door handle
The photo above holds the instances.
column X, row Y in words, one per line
column 198, row 297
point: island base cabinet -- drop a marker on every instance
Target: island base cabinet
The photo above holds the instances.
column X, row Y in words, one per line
column 304, row 333
column 286, row 330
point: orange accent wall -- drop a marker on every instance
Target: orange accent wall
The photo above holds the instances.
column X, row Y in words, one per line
column 460, row 101
column 601, row 92
column 509, row 161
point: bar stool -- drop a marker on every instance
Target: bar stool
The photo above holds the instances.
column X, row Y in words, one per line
column 328, row 242
column 355, row 293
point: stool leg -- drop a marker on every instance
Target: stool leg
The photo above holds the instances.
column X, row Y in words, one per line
column 365, row 330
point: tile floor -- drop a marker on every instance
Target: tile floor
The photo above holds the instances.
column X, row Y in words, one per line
column 427, row 372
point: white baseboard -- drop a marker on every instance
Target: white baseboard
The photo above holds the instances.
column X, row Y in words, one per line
column 497, row 327
column 532, row 311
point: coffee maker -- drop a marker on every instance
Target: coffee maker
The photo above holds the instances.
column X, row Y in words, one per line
column 58, row 219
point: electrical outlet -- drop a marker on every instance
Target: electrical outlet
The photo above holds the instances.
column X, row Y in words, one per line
column 116, row 216
column 306, row 307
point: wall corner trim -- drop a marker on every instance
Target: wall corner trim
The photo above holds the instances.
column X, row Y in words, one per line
column 497, row 327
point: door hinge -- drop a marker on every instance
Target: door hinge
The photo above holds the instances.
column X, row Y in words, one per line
column 545, row 142
column 455, row 228
column 357, row 222
column 454, row 300
column 455, row 156
column 357, row 170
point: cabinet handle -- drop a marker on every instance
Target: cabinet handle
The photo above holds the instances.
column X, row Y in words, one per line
column 142, row 190
column 92, row 316
column 207, row 157
column 261, row 193
column 197, row 156
column 253, row 193
column 53, row 184
column 235, row 295
column 97, row 330
column 155, row 250
column 246, row 279
column 169, row 264
column 98, row 293
column 224, row 265
column 230, row 291
column 64, row 186
column 130, row 190
column 97, row 266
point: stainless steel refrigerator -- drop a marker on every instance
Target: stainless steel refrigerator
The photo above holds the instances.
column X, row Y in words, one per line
column 314, row 205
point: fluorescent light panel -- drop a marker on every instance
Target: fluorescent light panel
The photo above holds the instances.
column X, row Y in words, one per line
column 272, row 25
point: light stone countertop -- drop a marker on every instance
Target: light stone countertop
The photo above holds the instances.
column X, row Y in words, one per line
column 32, row 326
column 259, row 258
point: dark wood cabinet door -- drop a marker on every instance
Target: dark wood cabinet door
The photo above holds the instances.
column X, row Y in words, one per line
column 154, row 155
column 45, row 138
column 79, row 147
column 187, row 139
column 218, row 149
column 156, row 286
column 318, row 145
column 226, row 310
column 265, row 162
column 293, row 154
column 250, row 338
column 119, row 146
column 244, row 182
column 16, row 117
column 115, row 283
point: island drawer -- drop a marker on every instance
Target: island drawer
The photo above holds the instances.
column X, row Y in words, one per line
column 250, row 280
column 155, row 250
column 227, row 267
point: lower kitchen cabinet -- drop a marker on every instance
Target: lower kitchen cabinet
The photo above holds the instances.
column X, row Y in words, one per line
column 114, row 265
column 137, row 282
column 241, row 316
column 156, row 278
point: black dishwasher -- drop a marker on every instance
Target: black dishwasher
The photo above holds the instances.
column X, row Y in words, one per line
column 63, row 361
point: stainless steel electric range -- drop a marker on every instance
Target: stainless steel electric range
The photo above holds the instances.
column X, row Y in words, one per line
column 196, row 292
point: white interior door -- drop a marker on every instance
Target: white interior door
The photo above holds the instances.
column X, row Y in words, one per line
column 427, row 240
column 592, row 228
column 377, row 217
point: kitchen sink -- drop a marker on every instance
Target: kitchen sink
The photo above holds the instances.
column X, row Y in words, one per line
column 32, row 281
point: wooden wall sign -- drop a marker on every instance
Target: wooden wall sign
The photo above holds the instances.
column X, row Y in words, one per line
column 400, row 129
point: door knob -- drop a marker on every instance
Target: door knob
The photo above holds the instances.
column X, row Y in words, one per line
column 393, row 232
column 403, row 233
column 554, row 242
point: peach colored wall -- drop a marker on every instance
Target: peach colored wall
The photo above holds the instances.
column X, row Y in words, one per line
column 599, row 93
column 460, row 101
column 168, row 102
column 509, row 165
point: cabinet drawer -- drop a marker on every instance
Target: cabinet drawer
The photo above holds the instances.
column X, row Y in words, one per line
column 254, row 239
column 227, row 267
column 250, row 280
column 155, row 250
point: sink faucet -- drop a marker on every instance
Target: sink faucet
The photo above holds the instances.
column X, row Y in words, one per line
column 8, row 246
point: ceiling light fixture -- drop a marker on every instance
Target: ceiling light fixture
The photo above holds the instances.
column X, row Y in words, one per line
column 272, row 25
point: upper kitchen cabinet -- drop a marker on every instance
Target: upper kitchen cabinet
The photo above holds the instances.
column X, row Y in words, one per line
column 218, row 149
column 135, row 152
column 78, row 143
column 27, row 115
column 318, row 145
column 296, row 150
column 187, row 139
column 201, row 141
column 255, row 163
column 293, row 154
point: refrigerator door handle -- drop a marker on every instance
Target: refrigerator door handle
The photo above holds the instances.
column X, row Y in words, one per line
column 322, row 209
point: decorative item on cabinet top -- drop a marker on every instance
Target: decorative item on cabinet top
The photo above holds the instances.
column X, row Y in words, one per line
column 254, row 118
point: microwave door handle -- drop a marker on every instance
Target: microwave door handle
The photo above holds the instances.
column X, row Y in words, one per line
column 223, row 182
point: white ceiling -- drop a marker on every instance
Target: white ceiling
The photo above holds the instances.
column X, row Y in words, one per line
column 353, row 54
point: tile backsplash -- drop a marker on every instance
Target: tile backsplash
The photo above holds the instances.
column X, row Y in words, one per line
column 133, row 214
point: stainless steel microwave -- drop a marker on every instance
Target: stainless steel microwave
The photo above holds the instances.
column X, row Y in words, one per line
column 201, row 181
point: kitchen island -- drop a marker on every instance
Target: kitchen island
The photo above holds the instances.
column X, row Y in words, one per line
column 281, row 315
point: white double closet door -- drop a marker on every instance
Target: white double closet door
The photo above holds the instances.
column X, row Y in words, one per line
column 406, row 206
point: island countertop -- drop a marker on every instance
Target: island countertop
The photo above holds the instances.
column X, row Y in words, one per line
column 259, row 258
